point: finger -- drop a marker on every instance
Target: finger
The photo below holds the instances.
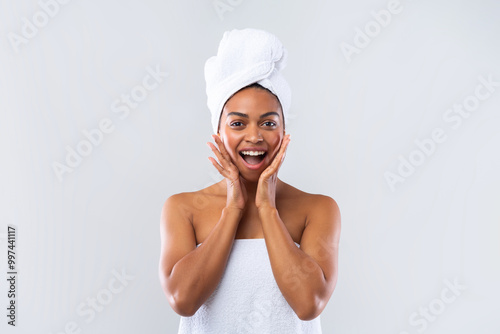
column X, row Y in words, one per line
column 223, row 161
column 228, row 162
column 284, row 145
column 222, row 148
column 278, row 160
column 271, row 169
column 225, row 168
column 284, row 153
column 221, row 170
column 285, row 148
column 281, row 153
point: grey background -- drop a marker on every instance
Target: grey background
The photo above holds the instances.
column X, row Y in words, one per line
column 351, row 121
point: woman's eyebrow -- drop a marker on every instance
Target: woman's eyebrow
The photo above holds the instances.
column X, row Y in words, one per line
column 269, row 114
column 235, row 113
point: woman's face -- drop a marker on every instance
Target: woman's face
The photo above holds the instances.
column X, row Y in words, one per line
column 252, row 121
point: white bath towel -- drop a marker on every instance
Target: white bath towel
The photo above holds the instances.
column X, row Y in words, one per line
column 247, row 299
column 245, row 57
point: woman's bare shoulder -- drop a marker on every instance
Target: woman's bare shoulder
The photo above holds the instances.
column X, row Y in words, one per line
column 190, row 201
column 310, row 202
column 319, row 210
column 293, row 192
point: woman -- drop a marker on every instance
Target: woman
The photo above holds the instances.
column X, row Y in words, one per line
column 251, row 253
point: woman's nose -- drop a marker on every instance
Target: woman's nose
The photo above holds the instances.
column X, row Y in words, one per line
column 253, row 134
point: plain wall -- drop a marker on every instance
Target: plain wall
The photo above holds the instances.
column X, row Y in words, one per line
column 359, row 107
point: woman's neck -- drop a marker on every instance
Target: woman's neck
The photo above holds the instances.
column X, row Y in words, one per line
column 251, row 188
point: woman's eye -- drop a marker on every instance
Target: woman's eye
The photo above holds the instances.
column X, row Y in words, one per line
column 236, row 123
column 269, row 123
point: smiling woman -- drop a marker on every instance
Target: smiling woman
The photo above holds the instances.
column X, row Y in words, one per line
column 262, row 256
column 252, row 112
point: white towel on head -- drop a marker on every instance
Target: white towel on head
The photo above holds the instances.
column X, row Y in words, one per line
column 245, row 57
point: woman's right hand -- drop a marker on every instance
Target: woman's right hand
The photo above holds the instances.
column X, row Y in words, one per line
column 236, row 192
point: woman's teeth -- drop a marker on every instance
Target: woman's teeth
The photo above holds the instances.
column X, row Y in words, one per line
column 253, row 157
column 253, row 153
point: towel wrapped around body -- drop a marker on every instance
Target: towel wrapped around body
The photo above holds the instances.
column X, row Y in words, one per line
column 247, row 299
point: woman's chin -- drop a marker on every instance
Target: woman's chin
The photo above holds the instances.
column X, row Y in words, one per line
column 251, row 173
column 251, row 176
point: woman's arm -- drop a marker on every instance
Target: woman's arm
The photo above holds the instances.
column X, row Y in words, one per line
column 307, row 275
column 190, row 274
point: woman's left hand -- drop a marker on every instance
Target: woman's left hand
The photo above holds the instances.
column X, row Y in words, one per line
column 266, row 188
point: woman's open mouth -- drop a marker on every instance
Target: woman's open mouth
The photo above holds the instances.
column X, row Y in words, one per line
column 253, row 159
